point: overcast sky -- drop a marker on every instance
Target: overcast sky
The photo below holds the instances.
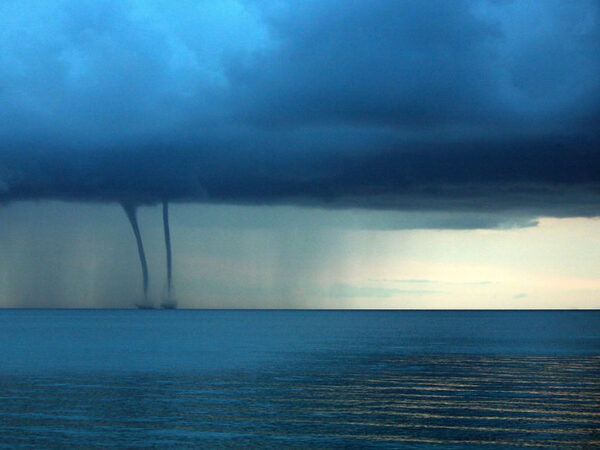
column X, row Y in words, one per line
column 353, row 154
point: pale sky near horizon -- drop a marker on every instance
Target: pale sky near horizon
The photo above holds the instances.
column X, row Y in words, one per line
column 81, row 255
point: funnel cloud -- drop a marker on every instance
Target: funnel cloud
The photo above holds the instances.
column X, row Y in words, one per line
column 169, row 301
column 131, row 212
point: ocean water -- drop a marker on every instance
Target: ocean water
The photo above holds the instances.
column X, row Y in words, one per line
column 299, row 379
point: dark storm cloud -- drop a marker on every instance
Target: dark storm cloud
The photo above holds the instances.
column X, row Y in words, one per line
column 382, row 104
column 371, row 64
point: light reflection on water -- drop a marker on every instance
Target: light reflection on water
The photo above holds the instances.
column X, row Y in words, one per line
column 350, row 385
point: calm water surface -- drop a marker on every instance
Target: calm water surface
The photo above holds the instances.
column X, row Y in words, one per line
column 299, row 379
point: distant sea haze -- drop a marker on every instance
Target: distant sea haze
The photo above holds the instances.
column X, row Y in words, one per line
column 299, row 379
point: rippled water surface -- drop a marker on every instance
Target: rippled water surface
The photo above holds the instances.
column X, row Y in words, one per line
column 299, row 379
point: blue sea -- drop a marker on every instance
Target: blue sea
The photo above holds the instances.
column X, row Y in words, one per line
column 299, row 379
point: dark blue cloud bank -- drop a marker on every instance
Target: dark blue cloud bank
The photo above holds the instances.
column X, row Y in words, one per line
column 408, row 105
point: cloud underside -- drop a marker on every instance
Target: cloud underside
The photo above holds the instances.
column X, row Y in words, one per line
column 385, row 105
